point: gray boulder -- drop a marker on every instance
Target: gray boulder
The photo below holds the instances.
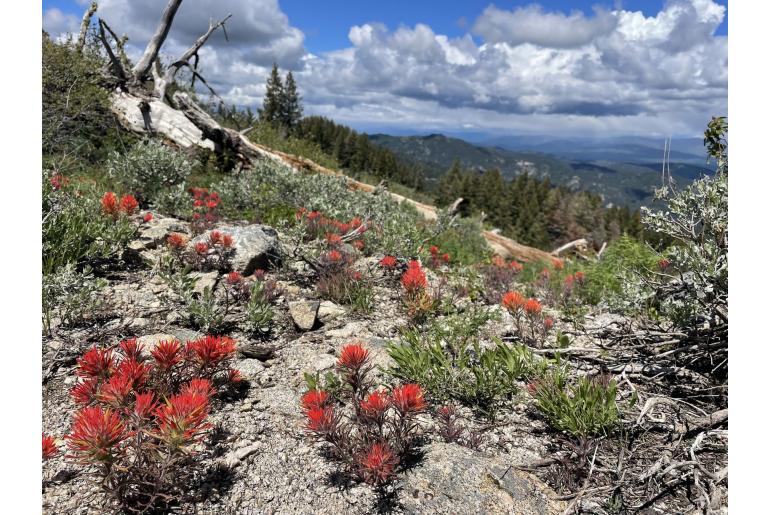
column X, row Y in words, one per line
column 304, row 312
column 454, row 479
column 256, row 246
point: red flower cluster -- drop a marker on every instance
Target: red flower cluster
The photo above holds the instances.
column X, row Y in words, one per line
column 176, row 241
column 353, row 357
column 49, row 447
column 58, row 181
column 167, row 354
column 234, row 278
column 377, row 463
column 557, row 263
column 580, row 277
column 414, row 279
column 147, row 218
column 532, row 307
column 388, row 262
column 375, row 405
column 96, row 435
column 209, row 351
column 513, row 301
column 205, row 203
column 181, row 420
column 96, row 363
column 663, row 264
column 436, row 258
column 110, row 205
column 408, row 399
column 317, row 225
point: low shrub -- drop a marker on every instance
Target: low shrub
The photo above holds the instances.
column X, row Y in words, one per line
column 70, row 296
column 370, row 431
column 142, row 417
column 448, row 361
column 76, row 227
column 148, row 168
column 585, row 407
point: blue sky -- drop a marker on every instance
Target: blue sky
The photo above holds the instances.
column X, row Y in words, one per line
column 506, row 67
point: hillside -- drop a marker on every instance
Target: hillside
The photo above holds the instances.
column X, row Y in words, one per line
column 627, row 175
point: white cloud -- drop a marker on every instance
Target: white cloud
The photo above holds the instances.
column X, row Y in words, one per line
column 531, row 24
column 57, row 23
column 528, row 71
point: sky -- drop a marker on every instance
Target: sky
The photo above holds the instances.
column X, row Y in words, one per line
column 565, row 69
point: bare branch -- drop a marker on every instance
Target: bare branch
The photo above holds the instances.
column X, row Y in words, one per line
column 84, row 26
column 117, row 67
column 153, row 46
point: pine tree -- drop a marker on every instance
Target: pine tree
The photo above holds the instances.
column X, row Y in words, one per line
column 291, row 108
column 272, row 104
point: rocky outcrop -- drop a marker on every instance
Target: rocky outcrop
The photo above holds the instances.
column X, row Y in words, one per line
column 304, row 313
column 453, row 479
column 256, row 247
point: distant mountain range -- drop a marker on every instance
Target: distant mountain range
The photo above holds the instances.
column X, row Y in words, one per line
column 624, row 170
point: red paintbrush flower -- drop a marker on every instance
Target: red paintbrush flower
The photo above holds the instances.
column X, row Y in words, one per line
column 548, row 323
column 445, row 257
column 132, row 349
column 215, row 237
column 314, row 399
column 388, row 262
column 128, row 204
column 176, row 241
column 259, row 274
column 334, row 256
column 333, row 239
column 414, row 279
column 377, row 464
column 202, row 248
column 167, row 354
column 569, row 281
column 135, row 371
column 147, row 218
column 110, row 203
column 353, row 357
column 663, row 264
column 358, row 244
column 209, row 351
column 513, row 301
column 498, row 261
column 433, row 250
column 408, row 399
column 96, row 363
column 58, row 181
column 145, row 404
column 182, row 419
column 234, row 278
column 321, row 420
column 558, row 264
column 96, row 435
column 227, row 241
column 198, row 386
column 515, row 266
column 85, row 392
column 545, row 274
column 532, row 307
column 117, row 391
column 49, row 447
column 375, row 405
column 234, row 376
column 580, row 277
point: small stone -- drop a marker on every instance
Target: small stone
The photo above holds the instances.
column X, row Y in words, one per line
column 328, row 311
column 256, row 351
column 204, row 280
column 304, row 312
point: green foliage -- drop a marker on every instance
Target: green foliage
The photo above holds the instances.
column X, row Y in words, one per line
column 75, row 230
column 272, row 104
column 618, row 278
column 464, row 242
column 695, row 218
column 76, row 117
column 582, row 408
column 268, row 135
column 205, row 312
column 259, row 313
column 70, row 296
column 149, row 168
column 329, row 383
column 447, row 360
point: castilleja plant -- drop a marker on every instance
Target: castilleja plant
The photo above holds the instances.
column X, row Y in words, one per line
column 369, row 430
column 417, row 300
column 530, row 323
column 142, row 416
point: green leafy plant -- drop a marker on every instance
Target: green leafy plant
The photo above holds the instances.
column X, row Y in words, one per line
column 75, row 230
column 206, row 312
column 259, row 313
column 448, row 361
column 584, row 407
column 70, row 296
column 148, row 168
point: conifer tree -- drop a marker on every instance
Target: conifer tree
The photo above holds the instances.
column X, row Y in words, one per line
column 291, row 108
column 272, row 110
